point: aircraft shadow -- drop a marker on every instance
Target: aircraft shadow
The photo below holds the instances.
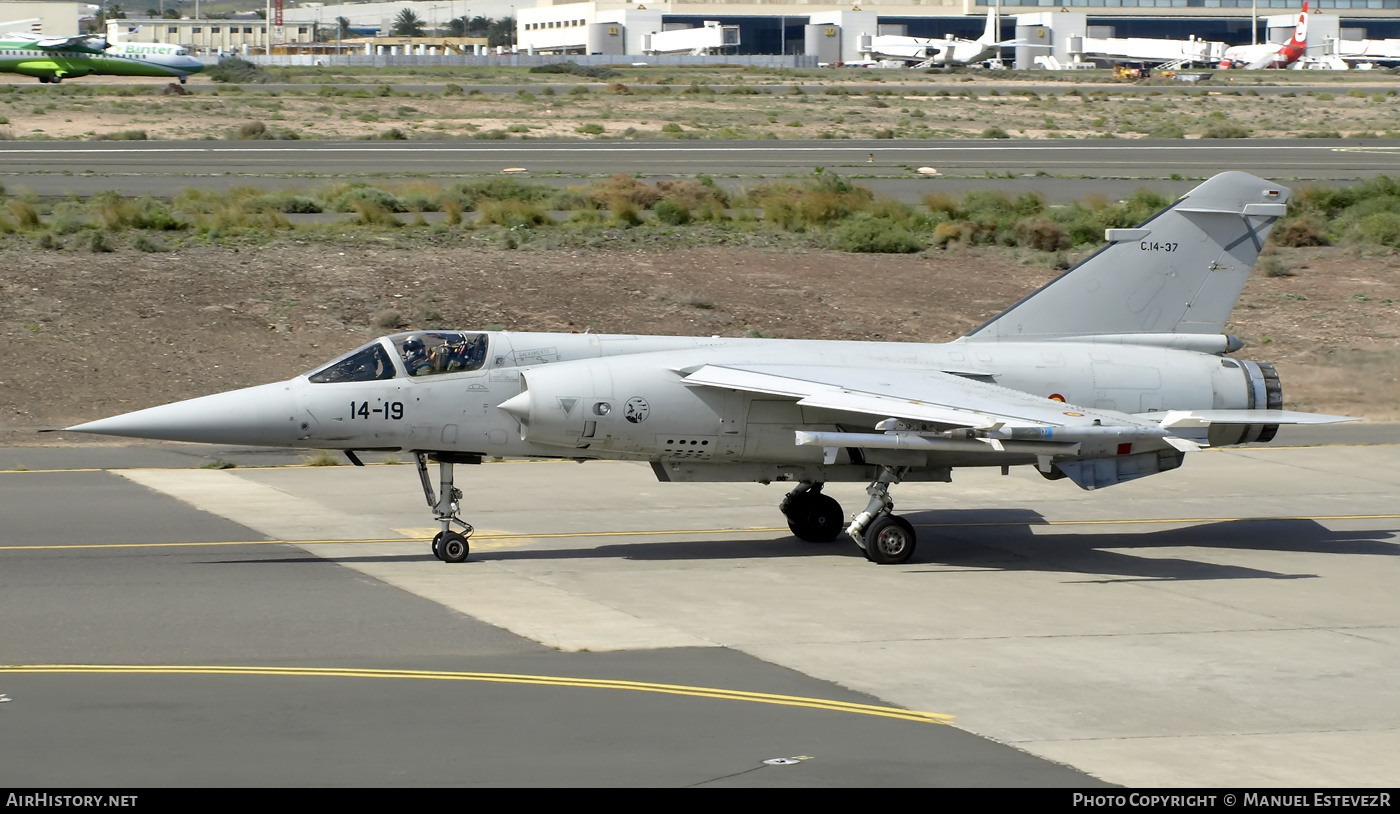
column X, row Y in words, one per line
column 1001, row 540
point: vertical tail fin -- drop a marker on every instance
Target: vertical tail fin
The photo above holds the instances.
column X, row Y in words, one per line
column 1179, row 272
column 992, row 33
column 1300, row 29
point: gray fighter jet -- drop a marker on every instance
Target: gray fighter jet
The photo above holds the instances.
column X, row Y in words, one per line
column 1113, row 371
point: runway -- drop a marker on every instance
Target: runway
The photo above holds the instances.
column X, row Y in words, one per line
column 1226, row 624
column 1063, row 170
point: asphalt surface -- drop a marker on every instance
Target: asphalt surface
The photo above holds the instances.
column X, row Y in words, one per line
column 344, row 680
column 1226, row 624
column 1062, row 170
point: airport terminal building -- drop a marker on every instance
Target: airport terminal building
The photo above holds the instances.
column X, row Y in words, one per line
column 831, row 32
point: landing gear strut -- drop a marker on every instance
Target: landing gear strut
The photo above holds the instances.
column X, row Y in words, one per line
column 811, row 515
column 448, row 545
column 885, row 539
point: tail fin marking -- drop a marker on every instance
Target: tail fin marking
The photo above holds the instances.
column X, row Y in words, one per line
column 1178, row 272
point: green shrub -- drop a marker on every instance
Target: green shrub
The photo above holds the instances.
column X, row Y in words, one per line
column 25, row 215
column 944, row 233
column 592, row 71
column 1226, row 130
column 671, row 212
column 251, row 131
column 346, row 199
column 590, row 129
column 823, row 200
column 114, row 211
column 470, row 194
column 866, row 233
column 1382, row 228
column 281, row 202
column 370, row 213
column 240, row 71
column 122, row 135
column 995, row 132
column 513, row 214
column 146, row 243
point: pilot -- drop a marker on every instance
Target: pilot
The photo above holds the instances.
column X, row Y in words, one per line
column 415, row 357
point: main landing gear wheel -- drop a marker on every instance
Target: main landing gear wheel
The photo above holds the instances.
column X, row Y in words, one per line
column 815, row 517
column 884, row 538
column 889, row 540
column 452, row 547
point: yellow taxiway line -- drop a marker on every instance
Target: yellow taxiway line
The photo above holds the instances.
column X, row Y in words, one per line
column 678, row 532
column 496, row 678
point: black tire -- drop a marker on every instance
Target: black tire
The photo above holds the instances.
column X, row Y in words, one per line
column 437, row 545
column 454, row 547
column 816, row 518
column 889, row 540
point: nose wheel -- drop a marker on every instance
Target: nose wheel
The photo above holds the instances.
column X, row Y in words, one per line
column 448, row 545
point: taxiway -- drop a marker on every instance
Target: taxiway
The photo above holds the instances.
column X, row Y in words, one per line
column 1227, row 624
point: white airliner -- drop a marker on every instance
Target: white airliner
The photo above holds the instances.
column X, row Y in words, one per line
column 1268, row 54
column 53, row 59
column 927, row 52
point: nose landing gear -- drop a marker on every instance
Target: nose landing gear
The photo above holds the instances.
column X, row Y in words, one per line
column 448, row 545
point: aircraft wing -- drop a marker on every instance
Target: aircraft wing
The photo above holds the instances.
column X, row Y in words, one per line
column 929, row 396
column 1197, row 419
column 1262, row 62
column 84, row 41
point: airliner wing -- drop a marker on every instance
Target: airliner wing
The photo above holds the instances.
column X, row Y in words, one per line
column 83, row 41
column 1262, row 62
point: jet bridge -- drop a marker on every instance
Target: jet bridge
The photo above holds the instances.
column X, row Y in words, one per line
column 1143, row 49
column 710, row 38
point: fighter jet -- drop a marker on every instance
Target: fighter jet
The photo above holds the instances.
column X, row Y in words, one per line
column 1111, row 372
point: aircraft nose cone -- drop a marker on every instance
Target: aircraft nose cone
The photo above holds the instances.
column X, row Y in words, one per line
column 257, row 416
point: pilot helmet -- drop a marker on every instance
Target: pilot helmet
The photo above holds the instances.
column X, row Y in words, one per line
column 413, row 344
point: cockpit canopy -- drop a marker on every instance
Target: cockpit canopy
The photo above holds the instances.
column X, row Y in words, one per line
column 417, row 354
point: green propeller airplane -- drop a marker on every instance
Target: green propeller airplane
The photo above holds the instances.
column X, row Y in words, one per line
column 53, row 59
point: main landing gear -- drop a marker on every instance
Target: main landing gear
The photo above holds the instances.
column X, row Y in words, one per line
column 811, row 515
column 448, row 545
column 883, row 538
